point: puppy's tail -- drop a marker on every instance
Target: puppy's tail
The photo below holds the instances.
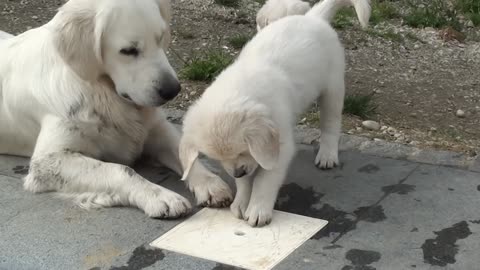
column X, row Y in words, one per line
column 328, row 8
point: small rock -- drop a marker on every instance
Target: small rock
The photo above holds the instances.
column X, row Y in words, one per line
column 460, row 114
column 383, row 128
column 433, row 129
column 34, row 17
column 414, row 143
column 370, row 124
column 351, row 131
column 470, row 24
column 359, row 128
column 416, row 46
column 391, row 131
column 377, row 140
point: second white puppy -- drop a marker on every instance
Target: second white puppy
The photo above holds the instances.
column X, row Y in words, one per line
column 276, row 9
column 245, row 118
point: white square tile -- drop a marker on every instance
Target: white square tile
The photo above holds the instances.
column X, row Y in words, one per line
column 216, row 235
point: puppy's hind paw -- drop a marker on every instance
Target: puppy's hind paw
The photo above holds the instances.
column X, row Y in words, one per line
column 326, row 159
column 213, row 192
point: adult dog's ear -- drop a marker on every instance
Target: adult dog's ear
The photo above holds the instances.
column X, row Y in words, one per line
column 262, row 137
column 187, row 154
column 78, row 38
column 165, row 7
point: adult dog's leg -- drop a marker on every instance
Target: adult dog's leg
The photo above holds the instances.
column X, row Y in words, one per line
column 242, row 197
column 58, row 165
column 266, row 186
column 208, row 188
column 331, row 106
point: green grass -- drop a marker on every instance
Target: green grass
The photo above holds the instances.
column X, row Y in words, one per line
column 239, row 41
column 435, row 14
column 343, row 18
column 228, row 3
column 207, row 67
column 359, row 105
column 383, row 11
column 471, row 9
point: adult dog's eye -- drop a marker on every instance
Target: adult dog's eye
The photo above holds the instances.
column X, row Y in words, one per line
column 130, row 51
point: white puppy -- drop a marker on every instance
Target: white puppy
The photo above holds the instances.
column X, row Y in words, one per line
column 4, row 35
column 79, row 95
column 277, row 9
column 245, row 118
column 273, row 10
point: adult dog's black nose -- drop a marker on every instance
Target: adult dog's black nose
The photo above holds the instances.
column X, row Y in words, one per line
column 239, row 172
column 169, row 88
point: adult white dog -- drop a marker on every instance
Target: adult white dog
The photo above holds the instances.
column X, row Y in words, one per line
column 80, row 95
column 245, row 118
column 273, row 10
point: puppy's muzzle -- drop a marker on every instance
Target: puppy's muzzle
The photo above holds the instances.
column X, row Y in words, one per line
column 168, row 88
column 239, row 172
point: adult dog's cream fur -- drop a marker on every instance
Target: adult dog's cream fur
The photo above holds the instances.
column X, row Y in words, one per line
column 274, row 10
column 245, row 118
column 80, row 96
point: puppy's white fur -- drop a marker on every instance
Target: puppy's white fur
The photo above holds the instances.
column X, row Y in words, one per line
column 274, row 10
column 61, row 88
column 245, row 118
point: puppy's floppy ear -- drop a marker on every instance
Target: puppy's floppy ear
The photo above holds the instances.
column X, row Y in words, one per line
column 187, row 154
column 78, row 38
column 165, row 7
column 263, row 139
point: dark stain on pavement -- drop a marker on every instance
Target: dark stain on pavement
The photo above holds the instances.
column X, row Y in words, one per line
column 221, row 266
column 293, row 198
column 441, row 250
column 369, row 168
column 478, row 187
column 22, row 170
column 475, row 221
column 361, row 259
column 142, row 258
column 401, row 189
column 332, row 247
column 370, row 213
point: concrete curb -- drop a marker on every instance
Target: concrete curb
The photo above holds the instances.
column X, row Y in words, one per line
column 311, row 136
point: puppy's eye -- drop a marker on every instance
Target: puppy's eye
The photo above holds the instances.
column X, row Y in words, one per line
column 132, row 51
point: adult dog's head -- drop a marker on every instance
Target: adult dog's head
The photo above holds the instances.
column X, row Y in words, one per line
column 124, row 40
column 241, row 139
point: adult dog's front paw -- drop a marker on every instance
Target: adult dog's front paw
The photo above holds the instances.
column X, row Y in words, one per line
column 326, row 158
column 212, row 192
column 258, row 215
column 163, row 203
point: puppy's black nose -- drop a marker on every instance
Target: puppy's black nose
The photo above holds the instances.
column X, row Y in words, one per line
column 169, row 88
column 239, row 172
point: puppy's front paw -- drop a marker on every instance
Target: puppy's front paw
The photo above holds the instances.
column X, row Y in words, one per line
column 258, row 215
column 163, row 203
column 326, row 158
column 239, row 206
column 213, row 192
